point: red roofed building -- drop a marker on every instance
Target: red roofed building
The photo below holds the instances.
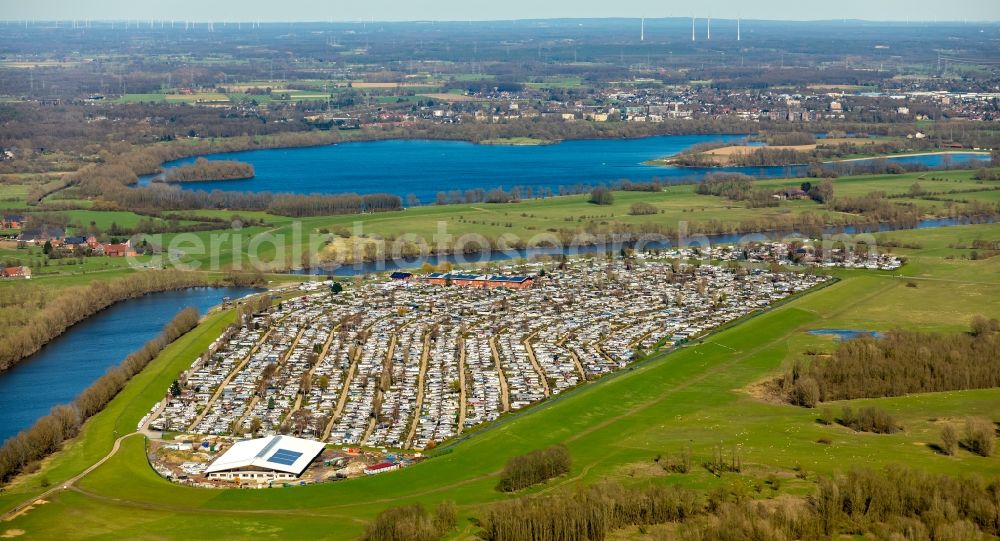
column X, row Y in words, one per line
column 476, row 280
column 381, row 467
column 119, row 250
column 16, row 272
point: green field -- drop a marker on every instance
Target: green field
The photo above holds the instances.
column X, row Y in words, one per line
column 541, row 220
column 697, row 396
column 13, row 195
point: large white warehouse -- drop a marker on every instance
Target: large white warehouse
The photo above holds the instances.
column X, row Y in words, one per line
column 265, row 459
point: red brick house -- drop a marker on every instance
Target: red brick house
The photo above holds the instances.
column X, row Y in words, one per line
column 119, row 250
column 16, row 272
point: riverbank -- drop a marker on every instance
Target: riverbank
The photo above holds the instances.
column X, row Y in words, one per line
column 70, row 362
column 78, row 303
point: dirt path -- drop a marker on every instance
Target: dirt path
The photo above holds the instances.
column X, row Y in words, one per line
column 461, row 384
column 281, row 363
column 534, row 362
column 344, row 393
column 386, row 380
column 420, row 390
column 504, row 393
column 312, row 370
column 11, row 514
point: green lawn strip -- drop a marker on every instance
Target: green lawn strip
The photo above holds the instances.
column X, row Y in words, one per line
column 120, row 416
column 62, row 277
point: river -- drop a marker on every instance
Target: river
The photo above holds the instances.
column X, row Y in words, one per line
column 424, row 168
column 70, row 363
column 410, row 264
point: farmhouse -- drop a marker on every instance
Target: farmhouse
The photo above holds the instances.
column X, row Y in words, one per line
column 11, row 221
column 265, row 459
column 41, row 234
column 15, row 272
column 119, row 250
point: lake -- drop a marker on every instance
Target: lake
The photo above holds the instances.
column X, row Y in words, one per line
column 424, row 168
column 841, row 335
column 70, row 363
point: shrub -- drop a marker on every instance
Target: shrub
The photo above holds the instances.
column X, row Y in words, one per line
column 642, row 209
column 981, row 326
column 535, row 467
column 806, row 392
column 980, row 436
column 601, row 196
column 791, row 139
column 735, row 186
column 412, row 523
column 949, row 440
column 986, row 174
column 679, row 463
column 870, row 419
column 720, row 463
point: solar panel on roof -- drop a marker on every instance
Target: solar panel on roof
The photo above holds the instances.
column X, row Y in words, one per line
column 284, row 457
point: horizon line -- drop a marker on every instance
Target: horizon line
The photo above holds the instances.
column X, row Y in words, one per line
column 364, row 21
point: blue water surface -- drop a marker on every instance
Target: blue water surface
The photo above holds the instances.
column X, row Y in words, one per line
column 424, row 168
column 844, row 334
column 70, row 363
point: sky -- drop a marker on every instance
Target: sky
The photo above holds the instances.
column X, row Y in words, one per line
column 461, row 10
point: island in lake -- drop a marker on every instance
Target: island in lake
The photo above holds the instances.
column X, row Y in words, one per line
column 207, row 170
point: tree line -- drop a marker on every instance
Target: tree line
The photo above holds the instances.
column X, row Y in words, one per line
column 519, row 193
column 886, row 504
column 163, row 197
column 735, row 186
column 523, row 471
column 22, row 451
column 899, row 363
column 412, row 523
